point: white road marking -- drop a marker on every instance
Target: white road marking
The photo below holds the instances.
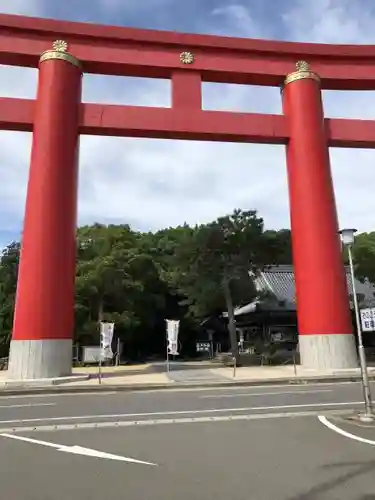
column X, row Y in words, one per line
column 164, row 421
column 250, row 394
column 334, row 428
column 30, row 405
column 76, row 450
column 50, row 395
column 230, row 387
column 179, row 412
column 171, row 390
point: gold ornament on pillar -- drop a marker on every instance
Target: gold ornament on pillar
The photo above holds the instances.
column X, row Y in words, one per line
column 60, row 51
column 302, row 72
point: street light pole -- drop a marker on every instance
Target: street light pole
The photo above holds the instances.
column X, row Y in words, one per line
column 347, row 236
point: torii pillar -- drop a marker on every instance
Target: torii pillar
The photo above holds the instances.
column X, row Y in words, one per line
column 325, row 329
column 41, row 345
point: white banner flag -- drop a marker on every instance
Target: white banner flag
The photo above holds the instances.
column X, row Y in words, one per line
column 172, row 336
column 106, row 336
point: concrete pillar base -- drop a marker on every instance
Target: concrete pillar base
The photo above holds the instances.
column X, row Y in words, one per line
column 328, row 352
column 37, row 359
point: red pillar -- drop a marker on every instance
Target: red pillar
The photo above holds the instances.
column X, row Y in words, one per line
column 324, row 321
column 41, row 344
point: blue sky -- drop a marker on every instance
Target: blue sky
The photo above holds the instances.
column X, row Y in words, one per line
column 153, row 183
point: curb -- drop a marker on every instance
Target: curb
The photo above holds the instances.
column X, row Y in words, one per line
column 42, row 383
column 58, row 389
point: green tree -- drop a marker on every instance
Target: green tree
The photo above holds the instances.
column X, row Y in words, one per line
column 278, row 246
column 8, row 282
column 139, row 279
column 215, row 260
column 364, row 256
column 117, row 281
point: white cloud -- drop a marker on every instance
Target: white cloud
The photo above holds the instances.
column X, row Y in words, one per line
column 239, row 16
column 331, row 21
column 152, row 183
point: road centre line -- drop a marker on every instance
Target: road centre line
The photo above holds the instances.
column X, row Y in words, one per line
column 52, row 395
column 228, row 387
column 179, row 412
column 276, row 393
column 165, row 421
column 30, row 405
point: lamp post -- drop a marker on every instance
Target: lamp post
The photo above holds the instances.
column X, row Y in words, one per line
column 347, row 238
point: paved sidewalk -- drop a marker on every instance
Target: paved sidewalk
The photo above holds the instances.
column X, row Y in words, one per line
column 155, row 376
column 287, row 372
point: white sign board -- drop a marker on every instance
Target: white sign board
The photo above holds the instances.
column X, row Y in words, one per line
column 91, row 354
column 172, row 336
column 203, row 346
column 368, row 319
column 106, row 335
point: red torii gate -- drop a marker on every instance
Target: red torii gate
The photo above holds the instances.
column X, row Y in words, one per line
column 44, row 320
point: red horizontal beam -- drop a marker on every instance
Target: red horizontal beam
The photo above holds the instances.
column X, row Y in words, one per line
column 16, row 114
column 137, row 121
column 131, row 52
column 167, row 123
column 349, row 133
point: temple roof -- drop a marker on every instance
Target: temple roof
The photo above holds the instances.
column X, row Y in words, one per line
column 277, row 282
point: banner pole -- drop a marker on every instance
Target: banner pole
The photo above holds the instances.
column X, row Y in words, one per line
column 100, row 367
column 167, row 358
column 118, row 352
column 100, row 353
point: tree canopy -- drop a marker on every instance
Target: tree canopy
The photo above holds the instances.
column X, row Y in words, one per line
column 364, row 256
column 138, row 279
column 214, row 261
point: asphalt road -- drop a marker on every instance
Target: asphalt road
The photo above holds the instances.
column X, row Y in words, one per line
column 257, row 443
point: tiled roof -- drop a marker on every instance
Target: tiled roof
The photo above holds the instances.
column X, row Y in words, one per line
column 278, row 281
